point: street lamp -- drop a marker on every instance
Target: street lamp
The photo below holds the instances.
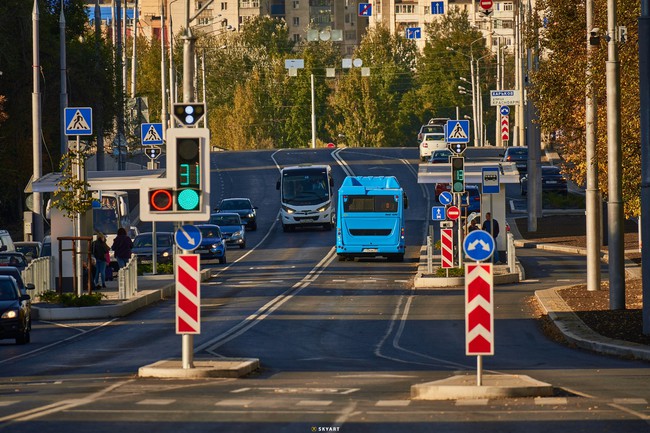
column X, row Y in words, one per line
column 474, row 87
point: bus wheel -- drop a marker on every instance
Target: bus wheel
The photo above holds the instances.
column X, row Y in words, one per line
column 342, row 258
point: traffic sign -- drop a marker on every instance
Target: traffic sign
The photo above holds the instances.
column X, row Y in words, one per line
column 188, row 237
column 437, row 8
column 445, row 197
column 457, row 131
column 151, row 133
column 486, row 4
column 153, row 152
column 504, row 110
column 438, row 213
column 365, row 9
column 504, row 97
column 490, row 180
column 453, row 212
column 479, row 309
column 188, row 294
column 478, row 245
column 447, row 248
column 413, row 32
column 505, row 127
column 78, row 121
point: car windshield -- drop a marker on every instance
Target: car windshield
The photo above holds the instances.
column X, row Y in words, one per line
column 31, row 250
column 517, row 151
column 234, row 204
column 12, row 260
column 7, row 291
column 143, row 241
column 434, row 137
column 550, row 171
column 210, row 232
column 225, row 220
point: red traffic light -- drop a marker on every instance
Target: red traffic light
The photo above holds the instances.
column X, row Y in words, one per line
column 160, row 200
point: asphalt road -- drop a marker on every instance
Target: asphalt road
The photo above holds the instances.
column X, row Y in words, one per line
column 340, row 343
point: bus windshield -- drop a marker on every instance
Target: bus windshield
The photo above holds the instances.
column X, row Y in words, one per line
column 303, row 188
column 365, row 203
column 105, row 220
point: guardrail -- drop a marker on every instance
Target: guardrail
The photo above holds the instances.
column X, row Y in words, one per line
column 127, row 279
column 39, row 273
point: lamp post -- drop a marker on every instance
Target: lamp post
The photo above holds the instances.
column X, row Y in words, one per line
column 479, row 102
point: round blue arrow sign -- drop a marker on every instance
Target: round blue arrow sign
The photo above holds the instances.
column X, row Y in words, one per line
column 188, row 237
column 478, row 245
column 445, row 197
column 505, row 110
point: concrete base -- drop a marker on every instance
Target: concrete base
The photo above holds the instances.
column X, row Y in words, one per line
column 493, row 386
column 227, row 367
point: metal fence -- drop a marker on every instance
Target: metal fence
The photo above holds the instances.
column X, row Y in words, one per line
column 39, row 272
column 127, row 279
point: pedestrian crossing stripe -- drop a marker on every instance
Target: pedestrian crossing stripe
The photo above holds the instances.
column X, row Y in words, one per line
column 152, row 135
column 458, row 132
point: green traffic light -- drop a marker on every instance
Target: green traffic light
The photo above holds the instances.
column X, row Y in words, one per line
column 188, row 199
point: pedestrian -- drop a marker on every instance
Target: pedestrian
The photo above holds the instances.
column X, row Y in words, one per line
column 99, row 251
column 472, row 226
column 492, row 227
column 122, row 247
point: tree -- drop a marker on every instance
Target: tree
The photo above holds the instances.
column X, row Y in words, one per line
column 558, row 89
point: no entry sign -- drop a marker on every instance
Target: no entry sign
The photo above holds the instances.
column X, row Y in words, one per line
column 486, row 4
column 188, row 294
column 479, row 309
column 453, row 212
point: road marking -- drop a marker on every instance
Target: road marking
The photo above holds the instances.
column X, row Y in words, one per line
column 156, row 401
column 8, row 403
column 234, row 402
column 472, row 402
column 393, row 403
column 319, row 403
column 237, row 391
column 630, row 401
column 544, row 401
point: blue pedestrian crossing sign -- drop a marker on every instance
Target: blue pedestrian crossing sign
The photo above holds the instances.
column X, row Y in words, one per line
column 151, row 134
column 365, row 9
column 438, row 213
column 478, row 245
column 188, row 237
column 78, row 121
column 457, row 131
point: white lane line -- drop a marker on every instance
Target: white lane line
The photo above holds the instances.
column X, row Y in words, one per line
column 545, row 401
column 156, row 401
column 472, row 402
column 317, row 403
column 393, row 403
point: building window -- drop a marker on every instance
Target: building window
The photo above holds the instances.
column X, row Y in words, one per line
column 296, row 21
column 508, row 7
column 427, row 10
column 224, row 6
column 350, row 35
column 296, row 4
column 404, row 9
column 296, row 37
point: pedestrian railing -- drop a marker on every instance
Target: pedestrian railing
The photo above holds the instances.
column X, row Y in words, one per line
column 127, row 279
column 39, row 273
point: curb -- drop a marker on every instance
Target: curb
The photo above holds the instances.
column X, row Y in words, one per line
column 492, row 386
column 226, row 367
column 576, row 332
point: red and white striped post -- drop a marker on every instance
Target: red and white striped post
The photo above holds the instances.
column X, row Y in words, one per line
column 447, row 248
column 479, row 313
column 188, row 303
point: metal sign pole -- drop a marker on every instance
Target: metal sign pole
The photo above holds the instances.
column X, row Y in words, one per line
column 187, row 342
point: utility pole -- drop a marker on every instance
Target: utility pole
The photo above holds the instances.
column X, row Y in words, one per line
column 614, row 166
column 99, row 155
column 163, row 73
column 591, row 134
column 37, row 217
column 644, row 90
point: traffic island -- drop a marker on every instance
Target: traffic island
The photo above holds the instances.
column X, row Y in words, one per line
column 493, row 386
column 173, row 369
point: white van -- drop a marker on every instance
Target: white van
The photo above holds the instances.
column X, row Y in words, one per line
column 6, row 243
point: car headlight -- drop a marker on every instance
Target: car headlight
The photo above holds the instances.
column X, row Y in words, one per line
column 250, row 215
column 288, row 210
column 237, row 234
column 10, row 314
column 165, row 254
column 324, row 208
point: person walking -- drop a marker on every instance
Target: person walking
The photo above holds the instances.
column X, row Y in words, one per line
column 492, row 227
column 99, row 250
column 122, row 247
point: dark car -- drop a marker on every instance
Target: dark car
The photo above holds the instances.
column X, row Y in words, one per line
column 15, row 259
column 15, row 311
column 46, row 251
column 31, row 249
column 518, row 155
column 12, row 271
column 242, row 206
column 212, row 246
column 552, row 181
column 232, row 229
column 440, row 156
column 143, row 247
column 472, row 198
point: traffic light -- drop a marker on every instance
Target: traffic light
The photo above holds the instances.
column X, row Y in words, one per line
column 457, row 174
column 184, row 194
column 189, row 114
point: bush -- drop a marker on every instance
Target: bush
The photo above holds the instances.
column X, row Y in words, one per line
column 453, row 272
column 71, row 299
column 161, row 268
column 560, row 201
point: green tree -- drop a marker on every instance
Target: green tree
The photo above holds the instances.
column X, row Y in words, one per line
column 558, row 89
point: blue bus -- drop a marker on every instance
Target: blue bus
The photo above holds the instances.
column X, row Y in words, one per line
column 370, row 218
